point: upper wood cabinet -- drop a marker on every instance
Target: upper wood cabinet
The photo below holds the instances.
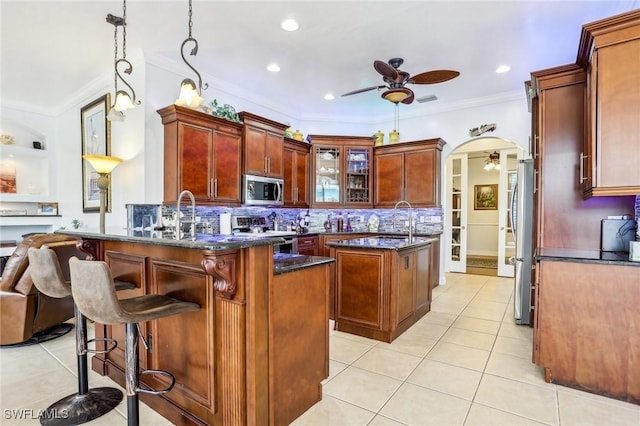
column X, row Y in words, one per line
column 296, row 173
column 201, row 154
column 610, row 53
column 341, row 171
column 263, row 146
column 408, row 171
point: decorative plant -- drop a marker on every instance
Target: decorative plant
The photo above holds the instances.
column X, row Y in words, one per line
column 76, row 223
column 225, row 111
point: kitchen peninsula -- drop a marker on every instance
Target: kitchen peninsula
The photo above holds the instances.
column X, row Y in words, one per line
column 383, row 284
column 257, row 350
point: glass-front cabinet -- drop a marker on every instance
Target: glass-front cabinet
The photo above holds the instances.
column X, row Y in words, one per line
column 341, row 168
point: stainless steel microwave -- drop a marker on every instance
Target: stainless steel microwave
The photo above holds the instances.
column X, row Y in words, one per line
column 262, row 191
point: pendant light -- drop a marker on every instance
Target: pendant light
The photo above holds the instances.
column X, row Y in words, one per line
column 493, row 162
column 190, row 94
column 123, row 100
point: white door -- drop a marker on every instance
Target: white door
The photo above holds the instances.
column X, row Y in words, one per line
column 456, row 219
column 506, row 243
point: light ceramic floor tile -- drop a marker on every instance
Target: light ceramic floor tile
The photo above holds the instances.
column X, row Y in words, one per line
column 415, row 405
column 446, row 378
column 24, row 392
column 389, row 363
column 525, row 400
column 469, row 338
column 477, row 324
column 462, row 356
column 346, row 350
column 514, row 331
column 515, row 347
column 335, row 367
column 438, row 318
column 516, row 368
column 333, row 411
column 481, row 415
column 579, row 408
column 408, row 344
column 362, row 388
column 384, row 421
column 425, row 330
column 599, row 398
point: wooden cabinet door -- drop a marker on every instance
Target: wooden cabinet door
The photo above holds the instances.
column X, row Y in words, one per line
column 405, row 286
column 295, row 159
column 308, row 245
column 255, row 159
column 421, row 179
column 274, row 144
column 424, row 276
column 389, row 179
column 226, row 182
column 618, row 118
column 195, row 145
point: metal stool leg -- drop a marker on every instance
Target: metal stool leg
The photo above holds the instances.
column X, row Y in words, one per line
column 87, row 404
column 132, row 373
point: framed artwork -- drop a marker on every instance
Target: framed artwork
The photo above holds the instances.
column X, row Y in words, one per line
column 486, row 197
column 8, row 179
column 48, row 209
column 96, row 139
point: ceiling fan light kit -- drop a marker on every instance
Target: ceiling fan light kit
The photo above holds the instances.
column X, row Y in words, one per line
column 397, row 95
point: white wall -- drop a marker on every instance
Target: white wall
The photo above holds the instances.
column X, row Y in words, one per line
column 482, row 225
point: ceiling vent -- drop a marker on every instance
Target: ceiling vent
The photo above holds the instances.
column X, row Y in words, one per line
column 427, row 98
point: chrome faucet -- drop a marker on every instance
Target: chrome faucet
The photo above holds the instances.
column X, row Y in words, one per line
column 193, row 214
column 410, row 217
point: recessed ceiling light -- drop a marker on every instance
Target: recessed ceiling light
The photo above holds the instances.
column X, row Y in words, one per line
column 273, row 67
column 503, row 68
column 329, row 97
column 289, row 25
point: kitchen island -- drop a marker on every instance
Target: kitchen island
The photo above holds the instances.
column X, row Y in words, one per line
column 383, row 284
column 257, row 350
column 586, row 331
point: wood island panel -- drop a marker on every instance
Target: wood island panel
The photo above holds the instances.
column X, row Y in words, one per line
column 255, row 353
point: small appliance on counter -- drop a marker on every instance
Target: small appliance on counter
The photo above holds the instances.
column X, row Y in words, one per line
column 616, row 234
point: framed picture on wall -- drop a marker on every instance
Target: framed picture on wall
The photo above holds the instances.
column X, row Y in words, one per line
column 96, row 139
column 486, row 197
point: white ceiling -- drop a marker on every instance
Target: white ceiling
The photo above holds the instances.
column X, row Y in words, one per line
column 51, row 50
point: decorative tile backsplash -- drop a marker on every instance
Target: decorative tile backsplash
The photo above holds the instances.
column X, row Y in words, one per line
column 426, row 221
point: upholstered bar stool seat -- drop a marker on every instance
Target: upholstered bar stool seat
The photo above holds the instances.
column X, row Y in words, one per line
column 87, row 404
column 94, row 294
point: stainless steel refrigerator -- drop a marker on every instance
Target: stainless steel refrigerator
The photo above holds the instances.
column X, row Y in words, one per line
column 522, row 220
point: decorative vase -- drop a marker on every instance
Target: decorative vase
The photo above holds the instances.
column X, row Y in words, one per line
column 298, row 135
column 394, row 136
column 379, row 138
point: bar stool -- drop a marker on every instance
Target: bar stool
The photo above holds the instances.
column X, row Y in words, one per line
column 94, row 293
column 87, row 404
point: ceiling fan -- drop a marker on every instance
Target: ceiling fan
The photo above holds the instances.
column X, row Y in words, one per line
column 396, row 80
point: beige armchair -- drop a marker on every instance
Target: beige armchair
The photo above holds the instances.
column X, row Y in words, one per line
column 24, row 311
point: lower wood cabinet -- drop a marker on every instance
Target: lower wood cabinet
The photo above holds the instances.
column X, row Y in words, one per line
column 308, row 245
column 380, row 293
column 586, row 328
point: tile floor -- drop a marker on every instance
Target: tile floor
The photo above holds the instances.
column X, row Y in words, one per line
column 464, row 363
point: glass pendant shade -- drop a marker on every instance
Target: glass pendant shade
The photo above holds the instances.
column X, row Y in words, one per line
column 103, row 164
column 189, row 95
column 123, row 101
column 396, row 95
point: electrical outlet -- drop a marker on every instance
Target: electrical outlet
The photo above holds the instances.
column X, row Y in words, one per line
column 421, row 219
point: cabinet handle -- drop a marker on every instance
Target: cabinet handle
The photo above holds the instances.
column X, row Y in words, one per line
column 582, row 158
column 535, row 146
column 215, row 188
column 264, row 166
column 295, row 194
column 535, row 181
column 269, row 164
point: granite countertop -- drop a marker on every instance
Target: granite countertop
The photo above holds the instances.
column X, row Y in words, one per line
column 285, row 262
column 379, row 233
column 384, row 243
column 586, row 256
column 201, row 241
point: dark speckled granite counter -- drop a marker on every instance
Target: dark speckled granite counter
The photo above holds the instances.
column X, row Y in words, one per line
column 586, row 256
column 284, row 262
column 201, row 241
column 384, row 243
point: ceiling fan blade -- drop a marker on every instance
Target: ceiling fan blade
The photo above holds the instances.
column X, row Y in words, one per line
column 409, row 99
column 366, row 89
column 435, row 76
column 385, row 69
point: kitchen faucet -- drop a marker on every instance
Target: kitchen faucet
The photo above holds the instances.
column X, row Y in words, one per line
column 193, row 214
column 410, row 218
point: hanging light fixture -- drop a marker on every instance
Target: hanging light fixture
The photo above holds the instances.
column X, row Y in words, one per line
column 493, row 162
column 190, row 94
column 123, row 100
